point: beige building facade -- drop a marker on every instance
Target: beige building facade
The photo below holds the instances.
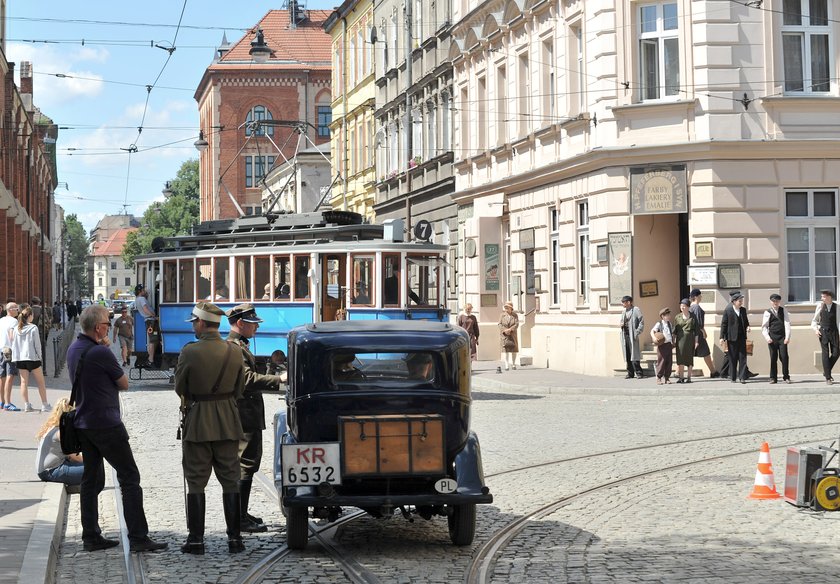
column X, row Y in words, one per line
column 606, row 148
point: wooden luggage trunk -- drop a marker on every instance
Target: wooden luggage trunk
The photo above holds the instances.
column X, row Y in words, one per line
column 393, row 445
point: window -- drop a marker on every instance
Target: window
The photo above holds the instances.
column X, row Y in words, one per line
column 524, row 96
column 501, row 105
column 113, row 281
column 481, row 141
column 128, row 281
column 362, row 281
column 170, row 281
column 100, row 265
column 431, row 129
column 185, row 280
column 221, row 280
column 549, row 97
column 302, row 278
column 243, row 279
column 258, row 113
column 324, row 120
column 577, row 82
column 446, row 122
column 262, row 278
column 390, row 280
column 385, row 53
column 583, row 252
column 354, row 57
column 416, row 135
column 417, row 11
column 464, row 122
column 100, row 282
column 282, row 277
column 255, row 169
column 805, row 41
column 393, row 151
column 204, row 273
column 659, row 59
column 554, row 224
column 423, row 278
column 113, row 265
column 811, row 232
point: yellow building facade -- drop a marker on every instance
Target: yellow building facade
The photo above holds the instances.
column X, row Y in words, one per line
column 353, row 98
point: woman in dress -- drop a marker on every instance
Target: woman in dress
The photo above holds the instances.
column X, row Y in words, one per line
column 686, row 329
column 26, row 354
column 508, row 327
column 52, row 464
column 468, row 322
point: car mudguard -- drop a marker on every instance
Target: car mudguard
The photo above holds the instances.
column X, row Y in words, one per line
column 469, row 470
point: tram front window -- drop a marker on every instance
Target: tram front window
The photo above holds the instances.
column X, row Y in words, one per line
column 423, row 289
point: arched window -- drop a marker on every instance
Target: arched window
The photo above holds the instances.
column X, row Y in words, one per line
column 257, row 114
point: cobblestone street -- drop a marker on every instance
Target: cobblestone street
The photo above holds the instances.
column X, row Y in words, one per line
column 691, row 524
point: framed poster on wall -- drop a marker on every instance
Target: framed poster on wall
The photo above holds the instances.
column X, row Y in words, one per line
column 620, row 263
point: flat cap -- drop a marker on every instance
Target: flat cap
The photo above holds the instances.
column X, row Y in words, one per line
column 206, row 311
column 735, row 295
column 695, row 293
column 245, row 311
column 627, row 299
column 775, row 297
column 664, row 311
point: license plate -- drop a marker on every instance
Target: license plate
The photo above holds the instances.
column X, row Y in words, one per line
column 311, row 464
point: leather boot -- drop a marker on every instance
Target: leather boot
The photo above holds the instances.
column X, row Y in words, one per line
column 195, row 524
column 233, row 514
column 249, row 523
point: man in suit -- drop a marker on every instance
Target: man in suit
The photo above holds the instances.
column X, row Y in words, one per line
column 775, row 326
column 210, row 378
column 825, row 327
column 244, row 323
column 734, row 326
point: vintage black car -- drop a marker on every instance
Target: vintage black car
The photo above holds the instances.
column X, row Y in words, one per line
column 378, row 417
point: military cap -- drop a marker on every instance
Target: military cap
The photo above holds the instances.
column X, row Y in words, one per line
column 245, row 311
column 206, row 311
column 695, row 293
column 775, row 297
column 627, row 299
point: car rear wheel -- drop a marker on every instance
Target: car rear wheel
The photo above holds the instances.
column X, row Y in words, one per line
column 297, row 527
column 462, row 524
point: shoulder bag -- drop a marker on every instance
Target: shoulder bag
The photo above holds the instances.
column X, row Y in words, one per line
column 68, row 437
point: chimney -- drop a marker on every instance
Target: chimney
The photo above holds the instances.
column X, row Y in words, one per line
column 297, row 12
column 26, row 77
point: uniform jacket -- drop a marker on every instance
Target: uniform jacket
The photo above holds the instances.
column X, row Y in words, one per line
column 251, row 406
column 730, row 328
column 635, row 327
column 198, row 368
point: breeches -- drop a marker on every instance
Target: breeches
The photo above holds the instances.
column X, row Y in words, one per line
column 220, row 456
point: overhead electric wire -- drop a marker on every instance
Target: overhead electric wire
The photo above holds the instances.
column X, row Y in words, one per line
column 123, row 23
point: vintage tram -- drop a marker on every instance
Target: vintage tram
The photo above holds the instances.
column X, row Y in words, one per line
column 296, row 268
column 378, row 417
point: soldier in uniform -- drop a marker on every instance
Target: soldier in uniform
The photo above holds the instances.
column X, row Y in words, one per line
column 244, row 322
column 210, row 377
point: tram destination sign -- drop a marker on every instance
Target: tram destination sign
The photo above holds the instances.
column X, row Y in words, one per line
column 658, row 190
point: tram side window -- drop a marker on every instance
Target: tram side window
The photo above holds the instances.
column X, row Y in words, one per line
column 423, row 282
column 243, row 279
column 262, row 278
column 204, row 273
column 170, row 281
column 282, row 278
column 302, row 278
column 363, row 281
column 185, row 280
column 221, row 280
column 390, row 280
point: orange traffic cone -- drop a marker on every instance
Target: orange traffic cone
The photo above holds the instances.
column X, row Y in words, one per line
column 765, row 485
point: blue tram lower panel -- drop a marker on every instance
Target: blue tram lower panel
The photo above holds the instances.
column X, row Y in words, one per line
column 432, row 314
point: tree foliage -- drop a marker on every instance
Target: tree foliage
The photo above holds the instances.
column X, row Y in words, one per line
column 77, row 246
column 174, row 216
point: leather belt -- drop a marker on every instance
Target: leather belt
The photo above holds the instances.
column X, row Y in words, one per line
column 213, row 396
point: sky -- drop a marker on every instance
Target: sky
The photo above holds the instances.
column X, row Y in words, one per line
column 90, row 78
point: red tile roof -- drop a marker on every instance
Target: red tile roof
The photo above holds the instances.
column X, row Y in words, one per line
column 114, row 245
column 305, row 47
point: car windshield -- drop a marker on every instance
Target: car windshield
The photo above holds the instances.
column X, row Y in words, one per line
column 378, row 369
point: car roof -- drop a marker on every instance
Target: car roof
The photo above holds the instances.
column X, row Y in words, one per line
column 385, row 326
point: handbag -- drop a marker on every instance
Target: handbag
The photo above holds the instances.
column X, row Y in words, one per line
column 749, row 347
column 658, row 338
column 67, row 434
column 508, row 343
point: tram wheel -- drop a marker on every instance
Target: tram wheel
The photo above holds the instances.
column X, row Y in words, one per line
column 297, row 527
column 462, row 524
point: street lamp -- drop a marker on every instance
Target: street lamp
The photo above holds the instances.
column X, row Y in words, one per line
column 167, row 191
column 259, row 49
column 201, row 144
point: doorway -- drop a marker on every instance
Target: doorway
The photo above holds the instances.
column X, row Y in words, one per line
column 333, row 285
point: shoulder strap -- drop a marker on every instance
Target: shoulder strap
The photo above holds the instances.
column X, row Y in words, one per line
column 78, row 374
column 224, row 368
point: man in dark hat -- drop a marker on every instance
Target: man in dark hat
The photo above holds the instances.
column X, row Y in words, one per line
column 244, row 323
column 825, row 327
column 734, row 326
column 210, row 378
column 702, row 349
column 775, row 327
column 632, row 324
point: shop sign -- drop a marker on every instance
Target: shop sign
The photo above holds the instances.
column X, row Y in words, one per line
column 620, row 261
column 658, row 190
column 491, row 266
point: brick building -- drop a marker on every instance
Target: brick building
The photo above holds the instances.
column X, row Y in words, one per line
column 27, row 183
column 288, row 85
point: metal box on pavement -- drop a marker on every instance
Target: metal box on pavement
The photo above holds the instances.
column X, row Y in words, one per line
column 800, row 466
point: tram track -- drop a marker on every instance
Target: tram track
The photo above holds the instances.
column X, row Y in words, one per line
column 480, row 570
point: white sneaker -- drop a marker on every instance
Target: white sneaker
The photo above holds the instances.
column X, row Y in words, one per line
column 46, row 407
column 507, row 367
column 27, row 407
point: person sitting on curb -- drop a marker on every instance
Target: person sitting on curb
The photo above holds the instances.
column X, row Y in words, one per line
column 52, row 464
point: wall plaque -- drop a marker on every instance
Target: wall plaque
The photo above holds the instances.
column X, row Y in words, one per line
column 702, row 276
column 649, row 288
column 526, row 238
column 729, row 277
column 658, row 190
column 703, row 249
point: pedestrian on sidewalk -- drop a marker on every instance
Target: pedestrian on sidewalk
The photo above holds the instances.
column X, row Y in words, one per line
column 664, row 342
column 52, row 464
column 8, row 370
column 686, row 329
column 56, row 315
column 468, row 322
column 703, row 350
column 632, row 324
column 734, row 326
column 775, row 327
column 103, row 435
column 825, row 327
column 26, row 355
column 508, row 329
column 124, row 333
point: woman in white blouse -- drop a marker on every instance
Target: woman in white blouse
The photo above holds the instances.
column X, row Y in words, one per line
column 26, row 355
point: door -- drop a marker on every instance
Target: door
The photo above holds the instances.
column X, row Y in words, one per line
column 333, row 285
